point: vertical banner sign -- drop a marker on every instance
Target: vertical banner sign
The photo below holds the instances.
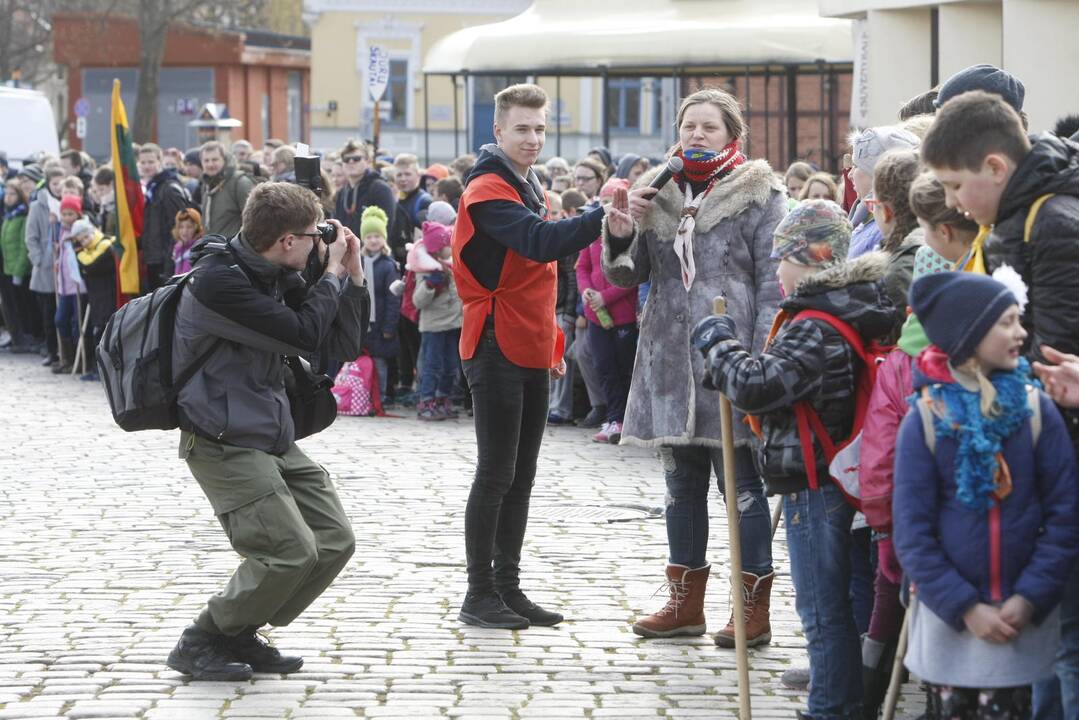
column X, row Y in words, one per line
column 378, row 77
column 859, row 101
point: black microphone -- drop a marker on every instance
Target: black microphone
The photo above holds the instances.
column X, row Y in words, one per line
column 674, row 165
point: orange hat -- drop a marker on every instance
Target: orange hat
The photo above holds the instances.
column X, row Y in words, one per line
column 437, row 171
column 191, row 215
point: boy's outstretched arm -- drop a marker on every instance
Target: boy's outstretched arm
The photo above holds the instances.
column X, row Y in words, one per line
column 788, row 372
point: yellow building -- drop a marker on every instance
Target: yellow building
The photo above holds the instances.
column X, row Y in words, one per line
column 343, row 31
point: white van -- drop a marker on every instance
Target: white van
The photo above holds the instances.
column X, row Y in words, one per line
column 27, row 125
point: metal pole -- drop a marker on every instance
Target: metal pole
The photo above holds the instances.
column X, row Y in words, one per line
column 792, row 113
column 726, row 418
column 606, row 110
column 378, row 126
column 426, row 124
column 749, row 115
column 468, row 117
column 456, row 116
column 558, row 115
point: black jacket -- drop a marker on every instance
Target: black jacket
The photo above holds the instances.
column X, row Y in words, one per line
column 1049, row 264
column 258, row 312
column 807, row 360
column 352, row 201
column 502, row 225
column 167, row 196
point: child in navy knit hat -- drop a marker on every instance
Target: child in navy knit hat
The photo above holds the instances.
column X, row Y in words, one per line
column 985, row 504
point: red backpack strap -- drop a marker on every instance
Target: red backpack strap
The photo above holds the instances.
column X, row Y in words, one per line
column 809, row 422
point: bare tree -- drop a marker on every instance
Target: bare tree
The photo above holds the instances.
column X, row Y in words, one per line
column 24, row 39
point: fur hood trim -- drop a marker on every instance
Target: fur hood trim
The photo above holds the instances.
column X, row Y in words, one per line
column 751, row 183
column 866, row 268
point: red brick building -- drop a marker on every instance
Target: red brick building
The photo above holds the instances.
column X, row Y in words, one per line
column 263, row 79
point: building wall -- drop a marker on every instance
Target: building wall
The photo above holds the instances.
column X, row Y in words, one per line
column 1033, row 39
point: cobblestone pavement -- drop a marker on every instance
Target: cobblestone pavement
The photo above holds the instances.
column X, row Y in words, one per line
column 108, row 548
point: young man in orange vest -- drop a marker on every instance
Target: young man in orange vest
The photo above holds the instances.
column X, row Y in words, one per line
column 505, row 252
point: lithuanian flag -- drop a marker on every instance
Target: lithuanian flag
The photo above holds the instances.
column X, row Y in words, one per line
column 129, row 199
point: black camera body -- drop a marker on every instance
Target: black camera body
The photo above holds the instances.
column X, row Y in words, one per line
column 328, row 232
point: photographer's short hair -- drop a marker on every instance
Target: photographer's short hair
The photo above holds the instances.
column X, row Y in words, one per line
column 972, row 126
column 214, row 146
column 274, row 209
column 151, row 149
column 521, row 95
column 356, row 146
column 284, row 154
column 406, row 160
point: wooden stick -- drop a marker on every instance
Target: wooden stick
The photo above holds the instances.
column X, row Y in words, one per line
column 777, row 515
column 892, row 698
column 80, row 350
column 726, row 416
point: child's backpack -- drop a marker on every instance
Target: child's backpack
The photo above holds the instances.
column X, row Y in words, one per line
column 844, row 458
column 356, row 388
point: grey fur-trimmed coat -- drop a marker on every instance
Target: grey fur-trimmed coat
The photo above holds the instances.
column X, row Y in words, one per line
column 732, row 247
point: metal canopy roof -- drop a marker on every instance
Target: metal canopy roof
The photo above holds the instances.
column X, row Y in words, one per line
column 571, row 36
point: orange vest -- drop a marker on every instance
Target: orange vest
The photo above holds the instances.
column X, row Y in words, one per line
column 525, row 324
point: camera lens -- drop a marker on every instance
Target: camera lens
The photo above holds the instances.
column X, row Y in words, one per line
column 328, row 231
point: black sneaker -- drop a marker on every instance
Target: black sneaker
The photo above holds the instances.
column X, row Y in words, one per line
column 256, row 651
column 519, row 603
column 595, row 417
column 489, row 611
column 203, row 656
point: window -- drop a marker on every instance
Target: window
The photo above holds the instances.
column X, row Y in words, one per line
column 397, row 94
column 624, row 104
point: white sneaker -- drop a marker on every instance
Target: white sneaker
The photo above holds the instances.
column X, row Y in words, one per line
column 603, row 435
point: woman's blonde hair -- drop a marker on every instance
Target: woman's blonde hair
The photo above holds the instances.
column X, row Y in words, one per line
column 824, row 179
column 989, row 406
column 729, row 108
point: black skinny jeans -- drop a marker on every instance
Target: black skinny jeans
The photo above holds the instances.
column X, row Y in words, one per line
column 510, row 405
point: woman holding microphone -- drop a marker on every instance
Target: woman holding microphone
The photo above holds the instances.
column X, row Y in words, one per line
column 707, row 233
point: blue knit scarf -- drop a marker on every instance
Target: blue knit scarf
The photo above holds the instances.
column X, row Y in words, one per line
column 981, row 438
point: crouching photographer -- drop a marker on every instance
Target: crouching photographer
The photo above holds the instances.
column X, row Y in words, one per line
column 245, row 307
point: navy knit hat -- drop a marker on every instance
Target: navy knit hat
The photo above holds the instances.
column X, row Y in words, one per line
column 984, row 77
column 957, row 310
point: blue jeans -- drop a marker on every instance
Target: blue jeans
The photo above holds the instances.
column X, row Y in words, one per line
column 1058, row 698
column 819, row 540
column 440, row 361
column 688, row 470
column 67, row 316
column 614, row 351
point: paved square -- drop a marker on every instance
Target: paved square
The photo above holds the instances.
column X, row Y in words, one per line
column 108, row 549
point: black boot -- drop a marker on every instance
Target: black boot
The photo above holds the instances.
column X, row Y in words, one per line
column 256, row 651
column 487, row 610
column 519, row 603
column 877, row 660
column 203, row 656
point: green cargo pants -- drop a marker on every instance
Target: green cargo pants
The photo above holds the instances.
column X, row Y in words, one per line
column 283, row 516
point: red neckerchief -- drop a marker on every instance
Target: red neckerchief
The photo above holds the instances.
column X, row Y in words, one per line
column 715, row 169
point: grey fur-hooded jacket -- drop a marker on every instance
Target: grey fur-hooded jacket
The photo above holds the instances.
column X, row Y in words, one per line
column 732, row 247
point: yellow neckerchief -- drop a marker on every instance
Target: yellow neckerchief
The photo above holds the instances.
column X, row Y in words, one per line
column 974, row 260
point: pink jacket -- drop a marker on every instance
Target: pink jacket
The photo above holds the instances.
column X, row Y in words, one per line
column 887, row 408
column 621, row 302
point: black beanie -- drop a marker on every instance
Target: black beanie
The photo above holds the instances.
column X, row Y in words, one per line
column 983, row 77
column 957, row 310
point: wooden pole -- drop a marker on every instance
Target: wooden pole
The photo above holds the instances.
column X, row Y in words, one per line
column 777, row 515
column 80, row 348
column 892, row 698
column 726, row 416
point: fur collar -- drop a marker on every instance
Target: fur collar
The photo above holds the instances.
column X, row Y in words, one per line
column 870, row 267
column 749, row 184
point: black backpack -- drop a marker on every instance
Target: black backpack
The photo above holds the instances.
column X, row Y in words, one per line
column 134, row 358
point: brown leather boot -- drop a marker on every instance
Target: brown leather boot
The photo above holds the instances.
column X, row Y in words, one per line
column 757, row 591
column 684, row 612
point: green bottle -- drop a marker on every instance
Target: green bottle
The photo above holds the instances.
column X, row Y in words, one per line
column 605, row 319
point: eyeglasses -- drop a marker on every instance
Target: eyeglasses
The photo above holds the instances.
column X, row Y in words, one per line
column 585, row 178
column 353, row 159
column 316, row 235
